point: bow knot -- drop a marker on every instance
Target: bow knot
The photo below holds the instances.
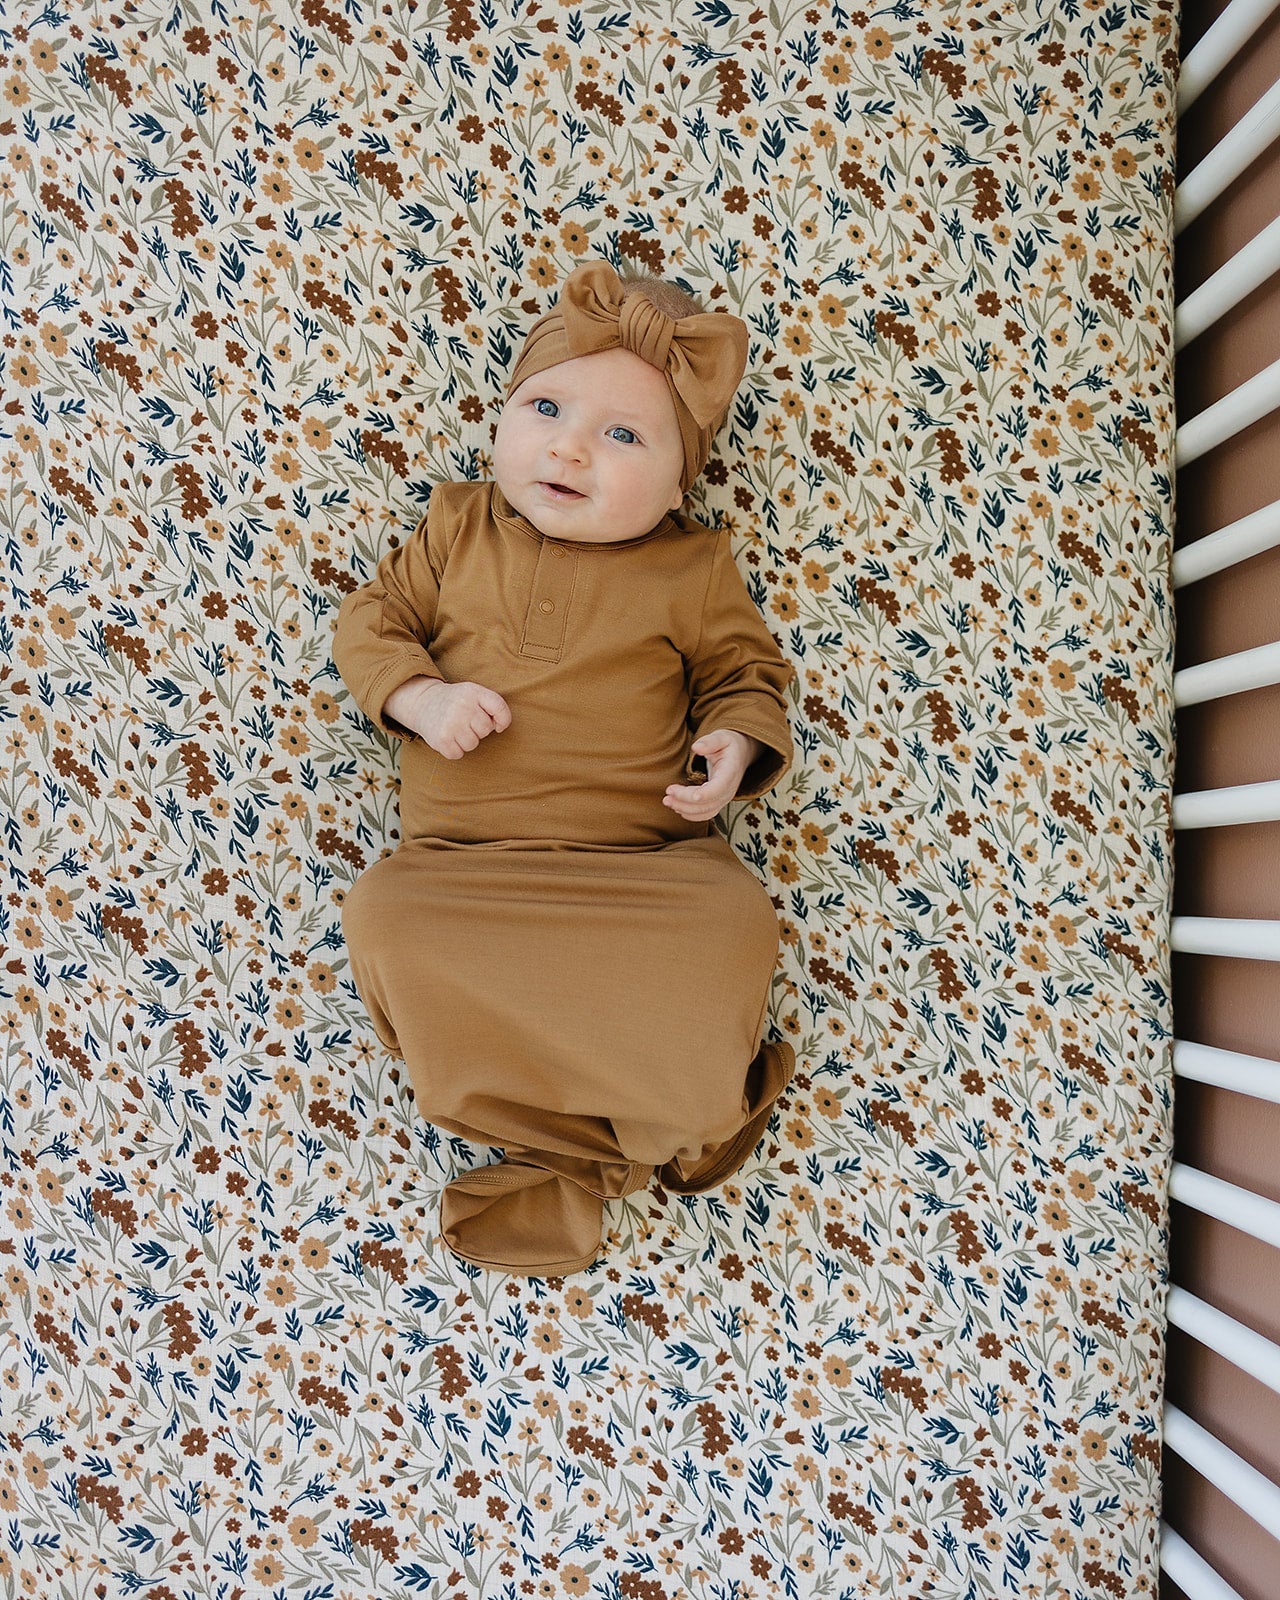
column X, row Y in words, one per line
column 645, row 331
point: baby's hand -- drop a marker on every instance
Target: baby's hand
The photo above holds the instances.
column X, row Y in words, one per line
column 451, row 717
column 728, row 754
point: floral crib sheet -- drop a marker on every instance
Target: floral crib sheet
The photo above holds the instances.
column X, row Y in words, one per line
column 262, row 273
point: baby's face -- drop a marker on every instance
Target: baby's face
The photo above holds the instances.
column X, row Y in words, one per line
column 591, row 450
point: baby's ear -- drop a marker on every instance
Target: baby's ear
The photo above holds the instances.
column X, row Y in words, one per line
column 678, row 501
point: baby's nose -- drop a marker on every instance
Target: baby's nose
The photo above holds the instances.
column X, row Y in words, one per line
column 569, row 445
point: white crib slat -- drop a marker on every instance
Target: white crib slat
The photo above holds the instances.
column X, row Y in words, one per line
column 1227, row 1202
column 1213, row 680
column 1230, row 157
column 1251, row 265
column 1225, row 547
column 1227, row 1069
column 1242, row 1484
column 1227, row 808
column 1250, row 939
column 1254, row 399
column 1237, row 24
column 1214, row 1329
column 1190, row 1571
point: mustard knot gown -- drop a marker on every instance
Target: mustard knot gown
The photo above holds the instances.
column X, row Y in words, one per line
column 570, row 970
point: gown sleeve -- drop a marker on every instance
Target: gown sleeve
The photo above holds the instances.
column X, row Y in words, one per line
column 384, row 628
column 738, row 677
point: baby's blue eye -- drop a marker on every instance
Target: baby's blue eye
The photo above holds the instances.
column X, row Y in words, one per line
column 552, row 409
column 629, row 439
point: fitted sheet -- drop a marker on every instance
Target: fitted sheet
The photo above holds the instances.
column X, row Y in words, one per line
column 262, row 273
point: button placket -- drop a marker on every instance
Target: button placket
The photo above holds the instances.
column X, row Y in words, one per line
column 550, row 593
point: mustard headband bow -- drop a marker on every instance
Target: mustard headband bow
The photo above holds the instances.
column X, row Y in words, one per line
column 702, row 357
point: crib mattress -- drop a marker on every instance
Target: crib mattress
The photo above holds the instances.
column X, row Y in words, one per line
column 262, row 276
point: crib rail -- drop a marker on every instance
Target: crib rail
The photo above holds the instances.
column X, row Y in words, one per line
column 1221, row 1536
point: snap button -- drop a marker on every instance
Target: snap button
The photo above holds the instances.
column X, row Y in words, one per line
column 546, row 606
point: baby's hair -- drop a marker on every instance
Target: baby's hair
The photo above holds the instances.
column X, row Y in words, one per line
column 669, row 298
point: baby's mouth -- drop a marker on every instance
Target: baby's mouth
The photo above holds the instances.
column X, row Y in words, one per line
column 563, row 490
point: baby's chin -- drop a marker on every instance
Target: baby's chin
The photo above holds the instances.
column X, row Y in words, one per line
column 557, row 515
column 537, row 509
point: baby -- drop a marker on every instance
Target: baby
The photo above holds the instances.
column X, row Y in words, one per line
column 573, row 964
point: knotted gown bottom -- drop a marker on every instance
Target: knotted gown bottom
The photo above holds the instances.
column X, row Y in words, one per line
column 595, row 1013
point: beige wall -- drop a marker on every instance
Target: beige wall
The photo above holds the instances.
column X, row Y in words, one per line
column 1228, row 872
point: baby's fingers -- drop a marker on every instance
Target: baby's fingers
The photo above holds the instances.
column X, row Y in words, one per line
column 711, row 746
column 479, row 725
column 695, row 803
column 463, row 736
column 456, row 745
column 495, row 708
column 683, row 798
